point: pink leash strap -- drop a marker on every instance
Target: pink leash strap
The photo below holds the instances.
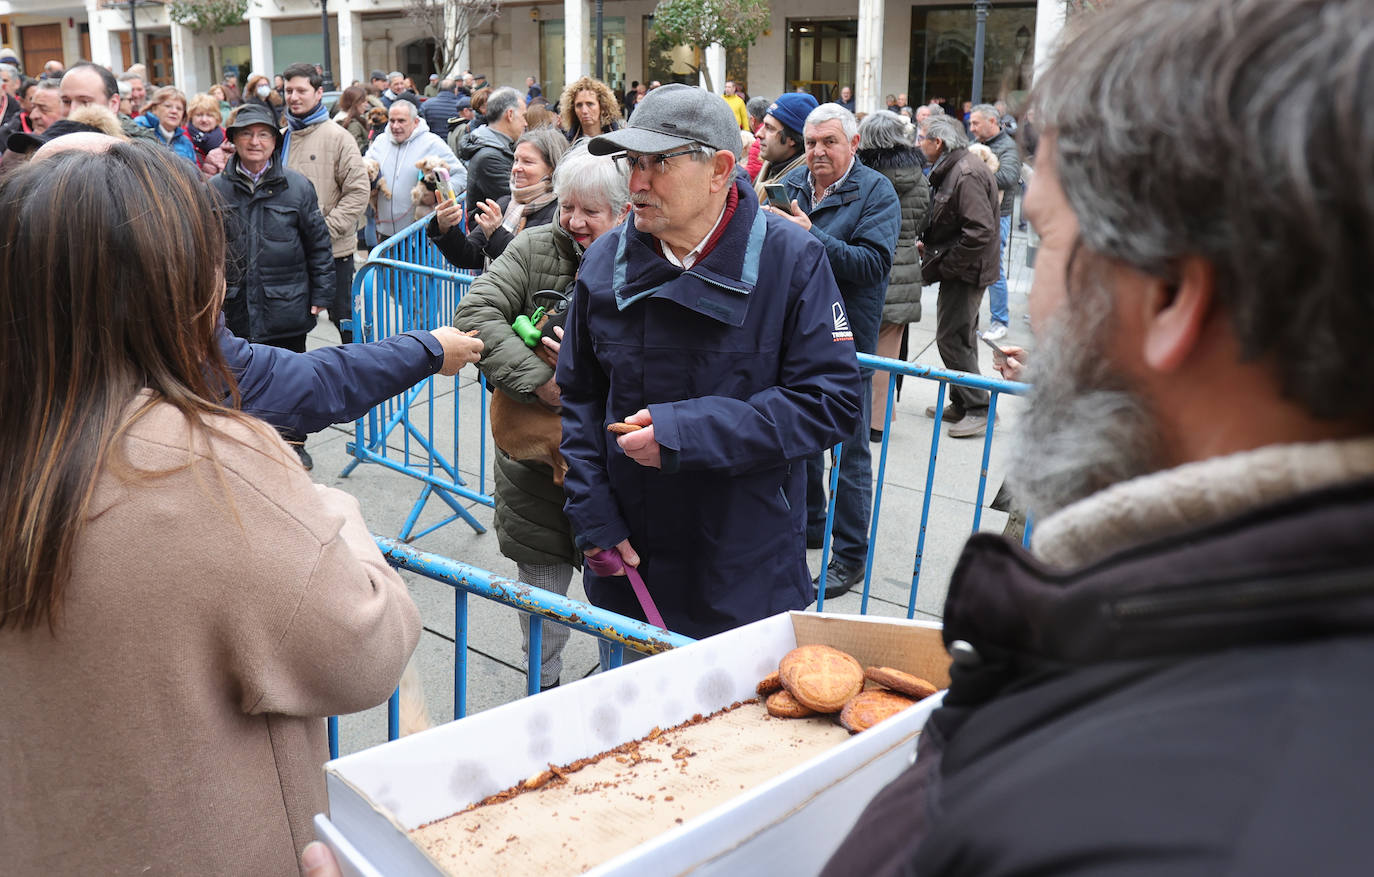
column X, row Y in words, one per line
column 608, row 562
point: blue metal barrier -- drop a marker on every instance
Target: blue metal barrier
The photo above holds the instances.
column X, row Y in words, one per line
column 407, row 284
column 995, row 387
column 539, row 604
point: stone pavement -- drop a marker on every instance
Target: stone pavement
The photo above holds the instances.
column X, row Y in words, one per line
column 495, row 663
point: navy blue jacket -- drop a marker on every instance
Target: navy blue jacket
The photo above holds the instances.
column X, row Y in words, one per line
column 306, row 392
column 747, row 366
column 438, row 110
column 858, row 224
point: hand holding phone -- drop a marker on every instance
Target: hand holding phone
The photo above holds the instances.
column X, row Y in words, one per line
column 777, row 197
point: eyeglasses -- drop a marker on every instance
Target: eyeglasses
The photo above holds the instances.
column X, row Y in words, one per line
column 656, row 163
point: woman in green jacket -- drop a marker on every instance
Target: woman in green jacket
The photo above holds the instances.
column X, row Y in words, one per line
column 530, row 526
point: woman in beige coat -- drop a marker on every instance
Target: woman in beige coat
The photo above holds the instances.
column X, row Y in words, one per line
column 180, row 607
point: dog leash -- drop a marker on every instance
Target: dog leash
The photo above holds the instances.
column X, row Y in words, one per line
column 608, row 562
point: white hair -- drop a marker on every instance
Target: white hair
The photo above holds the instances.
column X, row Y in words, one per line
column 833, row 113
column 596, row 179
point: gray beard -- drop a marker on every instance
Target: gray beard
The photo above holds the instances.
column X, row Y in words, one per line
column 1086, row 428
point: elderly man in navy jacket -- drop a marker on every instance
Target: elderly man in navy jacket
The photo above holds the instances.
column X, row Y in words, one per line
column 853, row 210
column 711, row 325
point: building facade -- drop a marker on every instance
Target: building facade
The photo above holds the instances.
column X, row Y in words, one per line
column 880, row 48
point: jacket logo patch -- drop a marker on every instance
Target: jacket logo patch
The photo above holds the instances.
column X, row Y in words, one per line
column 841, row 332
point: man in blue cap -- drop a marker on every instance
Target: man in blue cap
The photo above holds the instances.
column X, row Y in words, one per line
column 783, row 150
column 716, row 328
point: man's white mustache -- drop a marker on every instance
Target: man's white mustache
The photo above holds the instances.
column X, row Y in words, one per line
column 644, row 202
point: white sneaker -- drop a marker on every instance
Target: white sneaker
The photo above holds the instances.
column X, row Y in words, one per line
column 996, row 333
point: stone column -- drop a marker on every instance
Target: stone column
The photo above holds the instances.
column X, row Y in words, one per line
column 574, row 40
column 104, row 42
column 260, row 45
column 184, row 57
column 715, row 62
column 868, row 91
column 1049, row 23
column 351, row 65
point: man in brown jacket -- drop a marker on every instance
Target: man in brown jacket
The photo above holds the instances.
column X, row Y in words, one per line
column 962, row 250
column 327, row 155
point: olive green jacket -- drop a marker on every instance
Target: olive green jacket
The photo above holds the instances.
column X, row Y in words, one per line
column 530, row 525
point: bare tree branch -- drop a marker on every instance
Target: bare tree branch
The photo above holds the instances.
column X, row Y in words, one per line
column 449, row 23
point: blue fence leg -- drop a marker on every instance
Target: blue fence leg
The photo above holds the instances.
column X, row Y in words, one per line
column 878, row 496
column 837, row 451
column 393, row 715
column 333, row 737
column 983, row 469
column 460, row 653
column 925, row 503
column 535, row 659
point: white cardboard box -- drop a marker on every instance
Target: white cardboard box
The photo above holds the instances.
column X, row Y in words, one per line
column 789, row 824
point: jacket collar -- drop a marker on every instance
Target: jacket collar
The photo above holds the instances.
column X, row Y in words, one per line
column 728, row 272
column 944, row 165
column 1295, row 569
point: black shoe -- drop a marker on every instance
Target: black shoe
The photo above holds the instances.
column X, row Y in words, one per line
column 875, row 436
column 545, row 686
column 840, row 578
column 305, row 457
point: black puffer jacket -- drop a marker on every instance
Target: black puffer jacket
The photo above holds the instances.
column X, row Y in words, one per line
column 475, row 249
column 279, row 257
column 1196, row 705
column 902, row 167
column 488, row 155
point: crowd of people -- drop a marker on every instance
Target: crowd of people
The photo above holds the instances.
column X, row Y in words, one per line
column 1171, row 683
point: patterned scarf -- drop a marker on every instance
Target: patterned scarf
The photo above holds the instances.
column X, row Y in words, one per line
column 530, row 199
column 205, row 141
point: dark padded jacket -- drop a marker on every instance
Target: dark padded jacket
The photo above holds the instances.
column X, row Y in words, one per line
column 280, row 259
column 1008, row 168
column 474, row 249
column 962, row 243
column 902, row 167
column 488, row 155
column 747, row 366
column 1196, row 705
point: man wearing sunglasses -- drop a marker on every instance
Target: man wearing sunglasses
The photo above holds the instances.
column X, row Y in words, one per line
column 717, row 329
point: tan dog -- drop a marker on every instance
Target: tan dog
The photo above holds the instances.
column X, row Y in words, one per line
column 422, row 196
column 990, row 159
column 531, row 431
column 374, row 178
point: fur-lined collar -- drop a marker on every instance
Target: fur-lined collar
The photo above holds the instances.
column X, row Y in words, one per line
column 890, row 159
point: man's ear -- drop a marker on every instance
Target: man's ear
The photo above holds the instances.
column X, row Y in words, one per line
column 722, row 170
column 1175, row 314
column 854, row 144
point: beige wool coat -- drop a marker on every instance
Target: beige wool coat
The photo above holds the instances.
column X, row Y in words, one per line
column 174, row 723
column 327, row 155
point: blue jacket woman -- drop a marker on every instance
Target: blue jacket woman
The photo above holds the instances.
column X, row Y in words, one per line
column 165, row 115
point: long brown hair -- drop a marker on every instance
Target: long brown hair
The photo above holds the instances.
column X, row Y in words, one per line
column 110, row 282
column 353, row 101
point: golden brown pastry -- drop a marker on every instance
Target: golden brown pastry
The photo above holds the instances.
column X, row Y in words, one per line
column 821, row 677
column 868, row 708
column 903, row 683
column 785, row 706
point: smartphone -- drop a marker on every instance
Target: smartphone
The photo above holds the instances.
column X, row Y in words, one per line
column 444, row 192
column 993, row 344
column 777, row 196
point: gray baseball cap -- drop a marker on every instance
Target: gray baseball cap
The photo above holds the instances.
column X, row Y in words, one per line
column 672, row 116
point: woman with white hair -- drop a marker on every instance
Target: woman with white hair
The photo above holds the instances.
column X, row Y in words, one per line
column 593, row 195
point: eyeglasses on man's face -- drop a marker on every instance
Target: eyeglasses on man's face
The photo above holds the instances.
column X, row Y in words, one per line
column 657, row 163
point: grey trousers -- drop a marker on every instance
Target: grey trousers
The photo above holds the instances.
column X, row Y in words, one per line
column 554, row 577
column 956, row 320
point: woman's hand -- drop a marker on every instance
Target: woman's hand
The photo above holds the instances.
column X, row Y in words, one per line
column 449, row 214
column 489, row 217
